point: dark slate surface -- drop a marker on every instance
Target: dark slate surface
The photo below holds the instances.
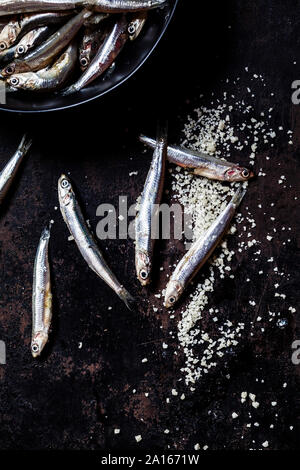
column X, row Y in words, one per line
column 74, row 398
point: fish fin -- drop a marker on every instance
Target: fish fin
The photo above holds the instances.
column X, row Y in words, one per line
column 25, row 144
column 128, row 300
column 237, row 198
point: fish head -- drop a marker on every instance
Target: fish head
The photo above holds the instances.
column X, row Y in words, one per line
column 26, row 81
column 84, row 59
column 143, row 267
column 3, row 45
column 38, row 343
column 173, row 292
column 65, row 190
column 238, row 173
column 21, row 50
column 8, row 70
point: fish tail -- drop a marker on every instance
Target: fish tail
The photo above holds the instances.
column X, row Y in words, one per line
column 237, row 198
column 127, row 298
column 25, row 144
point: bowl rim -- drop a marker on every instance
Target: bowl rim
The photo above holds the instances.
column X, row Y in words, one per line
column 102, row 93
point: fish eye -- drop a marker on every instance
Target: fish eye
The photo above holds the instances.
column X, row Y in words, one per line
column 20, row 49
column 64, row 184
column 245, row 173
column 14, row 81
column 172, row 300
column 35, row 348
column 2, row 46
column 143, row 274
column 84, row 61
column 10, row 70
column 131, row 29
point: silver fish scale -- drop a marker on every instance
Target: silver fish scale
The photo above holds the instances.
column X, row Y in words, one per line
column 201, row 250
column 150, row 197
column 41, row 284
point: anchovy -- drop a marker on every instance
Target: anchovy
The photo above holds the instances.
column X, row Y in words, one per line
column 49, row 79
column 89, row 46
column 41, row 296
column 11, row 7
column 46, row 52
column 9, row 171
column 136, row 24
column 203, row 164
column 200, row 251
column 111, row 47
column 147, row 219
column 85, row 241
column 31, row 40
column 16, row 28
column 123, row 6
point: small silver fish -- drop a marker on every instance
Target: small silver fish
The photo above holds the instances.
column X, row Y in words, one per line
column 203, row 164
column 89, row 46
column 30, row 40
column 136, row 24
column 16, row 28
column 200, row 251
column 44, row 54
column 85, row 241
column 9, row 171
column 147, row 219
column 107, row 53
column 48, row 79
column 11, row 7
column 41, row 296
column 124, row 6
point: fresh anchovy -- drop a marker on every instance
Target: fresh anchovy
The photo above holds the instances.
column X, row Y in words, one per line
column 46, row 52
column 9, row 171
column 136, row 24
column 78, row 228
column 16, row 28
column 123, row 6
column 49, row 79
column 200, row 251
column 147, row 219
column 11, row 7
column 41, row 296
column 111, row 47
column 89, row 46
column 31, row 40
column 203, row 164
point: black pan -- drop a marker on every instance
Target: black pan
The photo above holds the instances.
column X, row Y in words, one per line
column 130, row 60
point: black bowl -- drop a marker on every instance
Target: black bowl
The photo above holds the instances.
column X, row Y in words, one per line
column 129, row 61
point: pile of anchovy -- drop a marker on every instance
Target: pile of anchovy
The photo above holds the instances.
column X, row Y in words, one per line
column 146, row 225
column 44, row 43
